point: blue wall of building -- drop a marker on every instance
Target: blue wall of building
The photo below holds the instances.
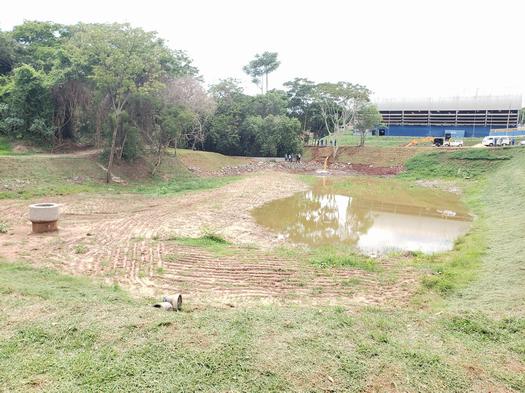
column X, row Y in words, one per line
column 456, row 131
column 512, row 132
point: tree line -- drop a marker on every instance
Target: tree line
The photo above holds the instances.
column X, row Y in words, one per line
column 122, row 89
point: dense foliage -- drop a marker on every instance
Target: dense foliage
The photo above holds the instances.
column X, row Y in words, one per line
column 123, row 89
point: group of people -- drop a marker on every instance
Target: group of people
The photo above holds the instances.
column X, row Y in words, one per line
column 292, row 157
column 323, row 142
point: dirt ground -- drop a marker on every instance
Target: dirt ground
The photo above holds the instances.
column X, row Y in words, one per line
column 128, row 239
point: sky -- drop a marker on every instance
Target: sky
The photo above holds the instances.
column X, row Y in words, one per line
column 397, row 48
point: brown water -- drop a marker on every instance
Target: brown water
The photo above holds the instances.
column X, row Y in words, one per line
column 376, row 216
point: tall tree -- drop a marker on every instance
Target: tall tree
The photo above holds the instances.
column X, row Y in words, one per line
column 339, row 104
column 367, row 117
column 188, row 93
column 259, row 68
column 123, row 61
column 301, row 100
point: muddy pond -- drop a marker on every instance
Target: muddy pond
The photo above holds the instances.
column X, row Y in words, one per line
column 374, row 215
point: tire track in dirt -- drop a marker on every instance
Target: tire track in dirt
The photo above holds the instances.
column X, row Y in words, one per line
column 124, row 238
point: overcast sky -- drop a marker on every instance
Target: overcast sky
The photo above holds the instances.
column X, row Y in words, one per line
column 398, row 48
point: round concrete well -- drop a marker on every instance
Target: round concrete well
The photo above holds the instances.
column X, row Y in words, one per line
column 44, row 217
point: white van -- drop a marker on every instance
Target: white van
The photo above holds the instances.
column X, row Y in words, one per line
column 504, row 141
column 489, row 141
column 496, row 141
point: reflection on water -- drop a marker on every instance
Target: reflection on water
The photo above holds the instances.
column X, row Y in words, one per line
column 374, row 225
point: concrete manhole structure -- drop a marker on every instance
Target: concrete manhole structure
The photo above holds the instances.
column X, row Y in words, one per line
column 44, row 217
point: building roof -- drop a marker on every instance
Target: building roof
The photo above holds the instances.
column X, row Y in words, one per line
column 509, row 102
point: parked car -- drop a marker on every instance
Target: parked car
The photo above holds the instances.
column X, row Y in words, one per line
column 455, row 144
column 496, row 141
column 522, row 143
column 489, row 141
column 504, row 141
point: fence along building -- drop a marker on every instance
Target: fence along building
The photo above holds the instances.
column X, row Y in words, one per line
column 458, row 116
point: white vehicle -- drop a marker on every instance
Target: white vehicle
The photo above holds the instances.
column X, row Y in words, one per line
column 496, row 141
column 522, row 143
column 504, row 141
column 489, row 141
column 455, row 143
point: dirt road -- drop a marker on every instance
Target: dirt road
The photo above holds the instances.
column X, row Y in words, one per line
column 126, row 239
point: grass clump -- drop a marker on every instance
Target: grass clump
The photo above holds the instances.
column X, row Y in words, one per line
column 213, row 237
column 209, row 240
column 4, row 227
column 81, row 249
column 332, row 257
column 475, row 325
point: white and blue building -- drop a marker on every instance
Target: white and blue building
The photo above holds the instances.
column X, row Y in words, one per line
column 458, row 116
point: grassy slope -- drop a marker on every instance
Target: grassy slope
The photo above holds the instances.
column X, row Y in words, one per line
column 468, row 163
column 494, row 192
column 32, row 176
column 501, row 287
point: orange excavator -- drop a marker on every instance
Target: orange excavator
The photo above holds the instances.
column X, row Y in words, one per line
column 414, row 142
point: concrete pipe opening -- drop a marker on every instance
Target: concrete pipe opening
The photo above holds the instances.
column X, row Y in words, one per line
column 44, row 217
column 175, row 300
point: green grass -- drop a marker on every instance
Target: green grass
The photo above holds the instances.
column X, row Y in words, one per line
column 339, row 257
column 5, row 146
column 455, row 270
column 485, row 268
column 64, row 333
column 461, row 164
column 209, row 240
column 481, row 154
column 376, row 141
column 181, row 184
column 29, row 177
column 501, row 204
